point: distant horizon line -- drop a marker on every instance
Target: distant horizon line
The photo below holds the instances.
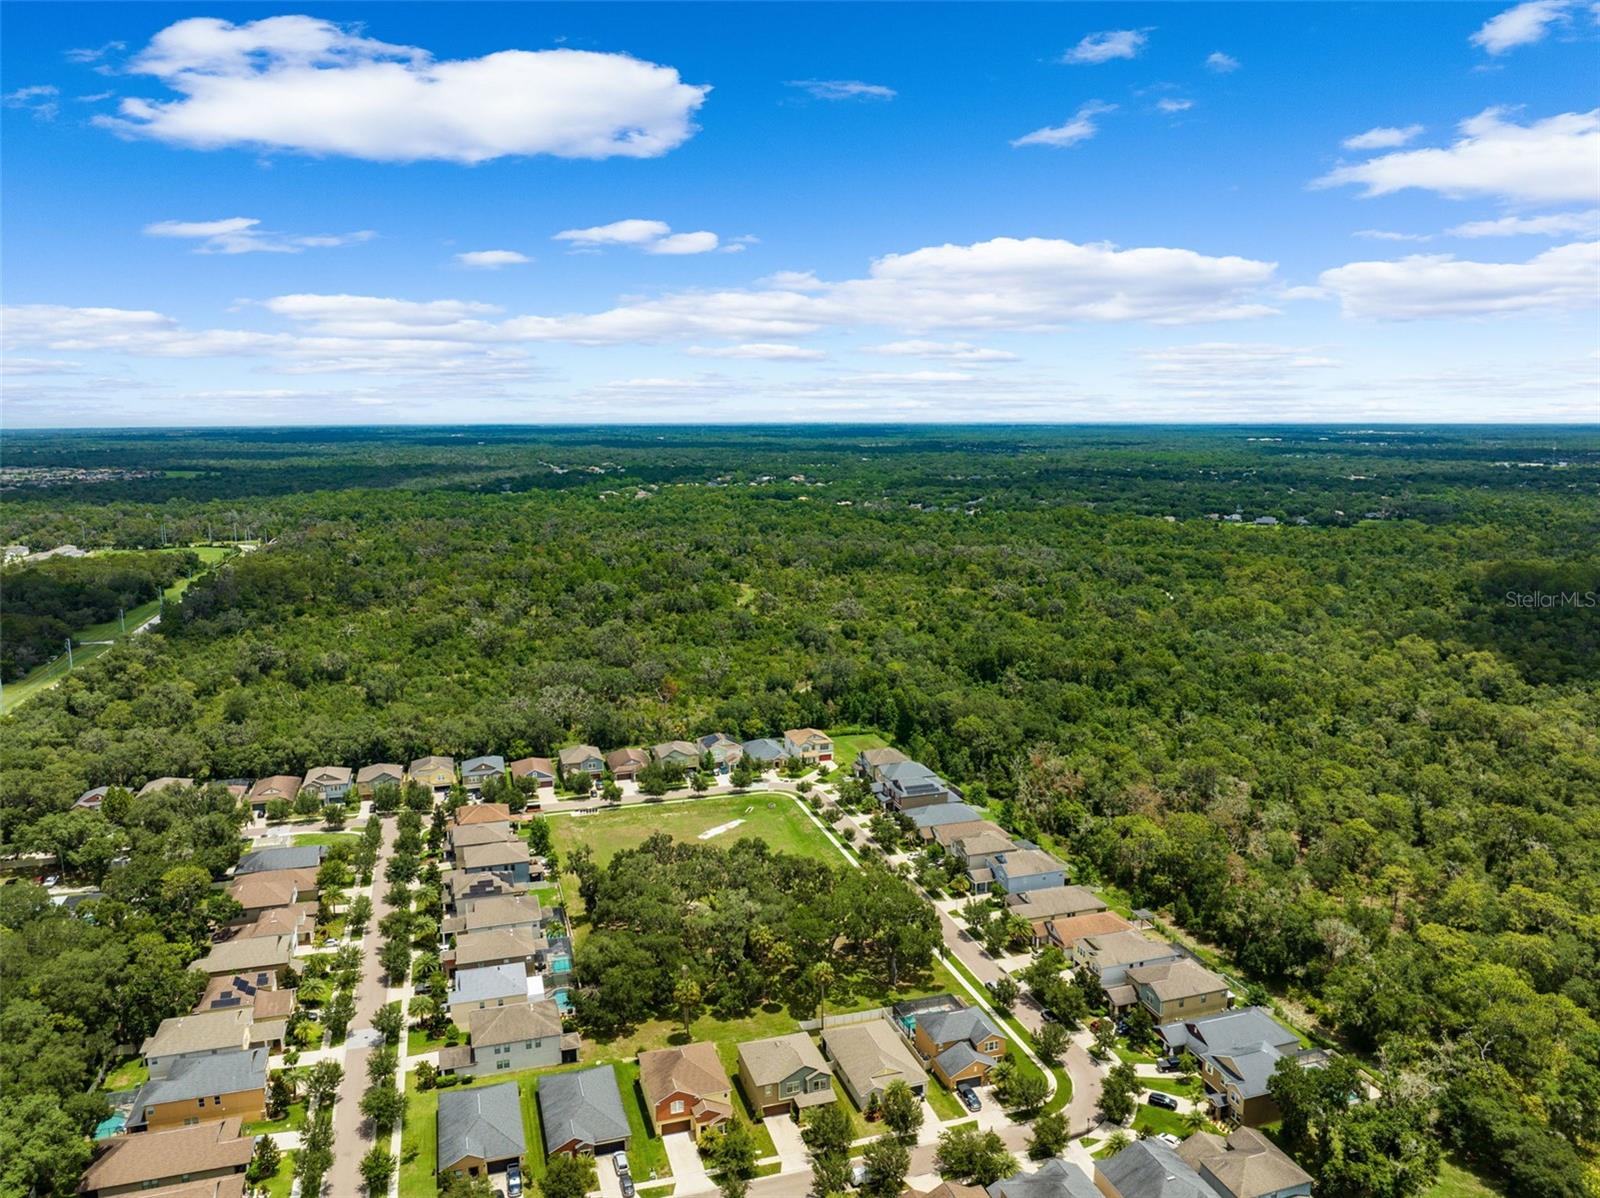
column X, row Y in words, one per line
column 1354, row 424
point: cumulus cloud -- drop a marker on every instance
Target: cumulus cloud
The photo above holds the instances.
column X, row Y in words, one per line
column 650, row 236
column 950, row 351
column 765, row 351
column 1384, row 137
column 1441, row 285
column 843, row 89
column 271, row 85
column 1521, row 26
column 41, row 100
column 1171, row 105
column 244, row 235
column 1221, row 63
column 492, row 259
column 1547, row 161
column 1103, row 47
column 1556, row 224
column 1080, row 128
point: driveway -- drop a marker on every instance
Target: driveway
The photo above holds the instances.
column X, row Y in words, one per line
column 786, row 1139
column 688, row 1170
column 606, row 1173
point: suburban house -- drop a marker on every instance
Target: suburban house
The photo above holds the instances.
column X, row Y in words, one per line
column 483, row 813
column 483, row 987
column 764, row 752
column 298, row 856
column 508, row 860
column 581, row 759
column 279, row 786
column 870, row 763
column 203, row 1090
column 480, row 1130
column 937, row 814
column 476, row 772
column 297, row 920
column 946, row 1189
column 261, row 892
column 685, row 1089
column 438, row 774
column 90, row 800
column 370, row 777
column 156, row 785
column 184, row 1155
column 1237, row 1051
column 476, row 949
column 725, row 751
column 946, row 836
column 524, row 1035
column 681, row 753
column 870, row 1057
column 1055, row 902
column 506, row 913
column 1056, row 1178
column 962, row 1045
column 1111, row 956
column 241, row 993
column 248, row 956
column 206, row 1035
column 1177, row 990
column 461, row 889
column 329, row 781
column 784, row 1074
column 581, row 1112
column 808, row 745
column 480, row 832
column 1023, row 870
column 540, row 770
column 625, row 764
column 1065, row 933
column 1244, row 1165
column 905, row 784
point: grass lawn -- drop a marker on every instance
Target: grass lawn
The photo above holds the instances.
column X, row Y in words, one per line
column 1171, row 1085
column 128, row 1074
column 1132, row 1055
column 418, row 1041
column 847, row 744
column 860, row 1128
column 281, row 1182
column 1156, row 1120
column 327, row 838
column 945, row 1104
column 293, row 1120
column 418, row 1134
column 1455, row 1181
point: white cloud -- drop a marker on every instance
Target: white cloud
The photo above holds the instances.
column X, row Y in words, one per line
column 1221, row 63
column 1389, row 235
column 271, row 85
column 1103, row 47
column 843, row 89
column 1556, row 224
column 1439, row 285
column 1384, row 137
column 766, row 351
column 651, row 236
column 1232, row 370
column 492, row 259
column 1548, row 161
column 1521, row 26
column 243, row 235
column 702, row 242
column 1080, row 128
column 40, row 100
column 950, row 351
column 1171, row 105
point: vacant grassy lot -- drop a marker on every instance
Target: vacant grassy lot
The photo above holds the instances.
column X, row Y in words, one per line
column 774, row 818
column 847, row 744
column 329, row 839
column 1456, row 1182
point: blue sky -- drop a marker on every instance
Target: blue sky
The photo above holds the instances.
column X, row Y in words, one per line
column 841, row 212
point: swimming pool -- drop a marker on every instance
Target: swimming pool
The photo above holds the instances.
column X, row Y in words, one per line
column 561, row 964
column 110, row 1127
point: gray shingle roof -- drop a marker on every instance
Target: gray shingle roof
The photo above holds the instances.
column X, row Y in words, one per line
column 959, row 1056
column 1151, row 1169
column 299, row 856
column 764, row 749
column 942, row 813
column 967, row 1024
column 483, row 1122
column 1246, row 1045
column 490, row 764
column 489, row 981
column 202, row 1077
column 583, row 1107
column 1055, row 1178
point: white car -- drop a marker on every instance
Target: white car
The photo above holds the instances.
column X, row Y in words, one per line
column 1167, row 1137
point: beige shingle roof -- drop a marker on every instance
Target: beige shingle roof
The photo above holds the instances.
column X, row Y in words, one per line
column 499, row 852
column 1247, row 1164
column 206, row 1032
column 1177, row 979
column 474, row 948
column 872, row 1055
column 153, row 1155
column 770, row 1061
column 519, row 1021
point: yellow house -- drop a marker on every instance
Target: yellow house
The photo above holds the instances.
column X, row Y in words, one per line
column 436, row 773
column 202, row 1089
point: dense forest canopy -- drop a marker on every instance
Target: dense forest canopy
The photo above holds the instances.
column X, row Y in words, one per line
column 1354, row 749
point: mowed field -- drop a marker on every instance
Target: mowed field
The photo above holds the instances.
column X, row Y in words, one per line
column 774, row 818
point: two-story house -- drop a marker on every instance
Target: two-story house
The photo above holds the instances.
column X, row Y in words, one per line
column 685, row 1089
column 1179, row 990
column 683, row 754
column 437, row 774
column 330, row 782
column 383, row 773
column 483, row 987
column 581, row 759
column 961, row 1045
column 203, row 1089
column 1245, row 1164
column 508, row 860
column 477, row 772
column 540, row 770
column 1238, row 1051
column 184, row 1156
column 808, row 745
column 625, row 764
column 1110, row 957
column 784, row 1074
column 524, row 1035
column 1022, row 870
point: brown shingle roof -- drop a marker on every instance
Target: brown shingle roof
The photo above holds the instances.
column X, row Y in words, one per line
column 273, row 887
column 475, row 948
column 206, row 1032
column 482, row 813
column 519, row 1021
column 1182, row 978
column 279, row 786
column 499, row 852
column 1101, row 923
column 694, row 1069
column 1246, row 1164
column 524, row 767
column 153, row 1155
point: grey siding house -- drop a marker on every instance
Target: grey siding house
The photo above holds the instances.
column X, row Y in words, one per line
column 581, row 1112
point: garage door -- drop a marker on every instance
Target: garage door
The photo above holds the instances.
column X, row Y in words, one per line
column 667, row 1129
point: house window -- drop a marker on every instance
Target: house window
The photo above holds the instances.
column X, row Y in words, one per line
column 502, row 1064
column 677, row 1106
column 991, row 1046
column 789, row 1088
column 200, row 1102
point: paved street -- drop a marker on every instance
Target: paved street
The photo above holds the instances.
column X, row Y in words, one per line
column 351, row 1136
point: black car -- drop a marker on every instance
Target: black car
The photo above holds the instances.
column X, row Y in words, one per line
column 1163, row 1100
column 626, row 1181
column 1170, row 1065
column 969, row 1098
column 514, row 1180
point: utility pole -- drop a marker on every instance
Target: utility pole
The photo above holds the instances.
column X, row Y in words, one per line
column 122, row 621
column 69, row 654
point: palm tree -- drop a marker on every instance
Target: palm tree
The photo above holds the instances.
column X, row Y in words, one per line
column 822, row 977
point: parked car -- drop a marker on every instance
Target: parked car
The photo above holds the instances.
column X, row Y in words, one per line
column 1048, row 1015
column 514, row 1180
column 626, row 1182
column 1170, row 1065
column 1167, row 1137
column 969, row 1098
column 858, row 1176
column 619, row 1162
column 1167, row 1101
